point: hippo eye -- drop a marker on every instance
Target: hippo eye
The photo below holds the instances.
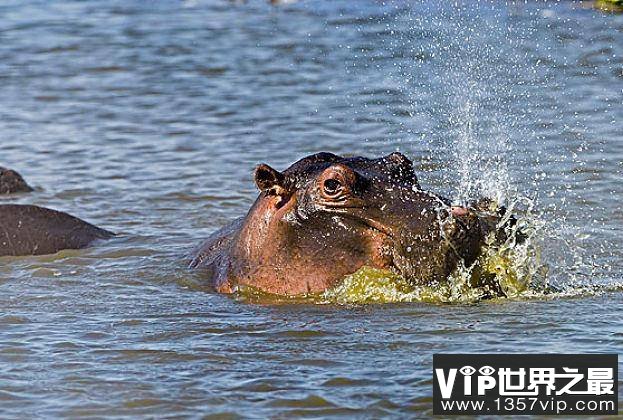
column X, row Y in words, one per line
column 332, row 186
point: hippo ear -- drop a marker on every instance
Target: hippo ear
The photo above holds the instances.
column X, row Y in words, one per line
column 269, row 179
column 403, row 166
column 399, row 158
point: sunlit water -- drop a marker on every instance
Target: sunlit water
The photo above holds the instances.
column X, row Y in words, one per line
column 147, row 119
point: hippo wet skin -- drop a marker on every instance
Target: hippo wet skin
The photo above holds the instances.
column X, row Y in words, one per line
column 12, row 182
column 32, row 230
column 326, row 216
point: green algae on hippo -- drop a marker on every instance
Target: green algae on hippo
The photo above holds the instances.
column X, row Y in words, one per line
column 327, row 216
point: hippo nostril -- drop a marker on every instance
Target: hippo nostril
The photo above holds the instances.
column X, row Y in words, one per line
column 459, row 211
column 331, row 186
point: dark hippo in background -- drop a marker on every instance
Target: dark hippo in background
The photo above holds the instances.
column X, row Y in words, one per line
column 12, row 182
column 32, row 230
column 326, row 216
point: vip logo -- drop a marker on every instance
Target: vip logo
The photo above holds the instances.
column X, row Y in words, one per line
column 525, row 384
column 484, row 380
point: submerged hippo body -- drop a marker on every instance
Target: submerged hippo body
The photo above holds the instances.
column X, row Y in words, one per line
column 32, row 230
column 327, row 216
column 12, row 182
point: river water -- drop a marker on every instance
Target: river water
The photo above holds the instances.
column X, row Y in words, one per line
column 147, row 118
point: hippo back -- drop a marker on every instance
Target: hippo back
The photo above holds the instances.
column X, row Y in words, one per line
column 32, row 230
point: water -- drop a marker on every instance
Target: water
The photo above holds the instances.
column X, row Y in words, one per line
column 147, row 119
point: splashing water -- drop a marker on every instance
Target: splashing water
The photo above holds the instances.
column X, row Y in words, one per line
column 512, row 270
column 473, row 83
column 481, row 165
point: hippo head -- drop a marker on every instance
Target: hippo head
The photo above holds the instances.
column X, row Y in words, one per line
column 12, row 182
column 326, row 216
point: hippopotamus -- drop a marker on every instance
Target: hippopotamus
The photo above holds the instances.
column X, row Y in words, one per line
column 33, row 230
column 327, row 216
column 12, row 182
